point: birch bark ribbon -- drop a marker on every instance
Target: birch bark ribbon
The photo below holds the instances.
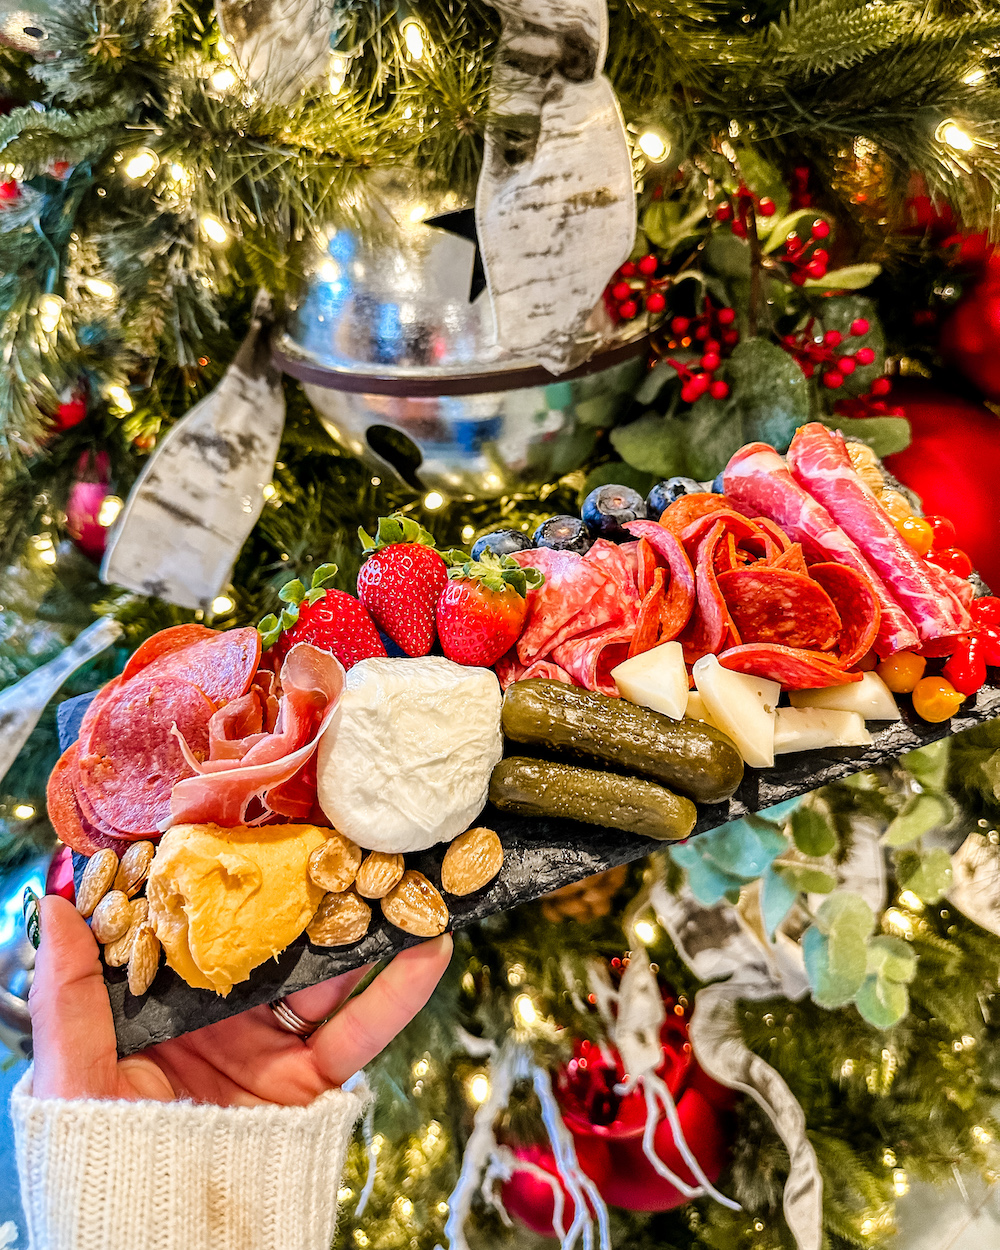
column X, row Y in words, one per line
column 201, row 493
column 555, row 207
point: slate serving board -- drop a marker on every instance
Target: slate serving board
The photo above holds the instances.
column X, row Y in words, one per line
column 539, row 855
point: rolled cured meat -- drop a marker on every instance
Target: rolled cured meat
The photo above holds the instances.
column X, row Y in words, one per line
column 819, row 461
column 759, row 479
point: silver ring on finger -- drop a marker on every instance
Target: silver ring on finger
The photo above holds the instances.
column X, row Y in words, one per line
column 292, row 1022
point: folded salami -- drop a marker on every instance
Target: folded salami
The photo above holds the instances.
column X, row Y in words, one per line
column 793, row 667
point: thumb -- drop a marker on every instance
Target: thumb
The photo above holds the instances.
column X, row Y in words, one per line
column 72, row 1027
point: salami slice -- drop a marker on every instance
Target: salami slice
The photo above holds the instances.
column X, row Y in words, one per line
column 134, row 759
column 680, row 514
column 793, row 558
column 858, row 608
column 167, row 640
column 794, row 668
column 711, row 627
column 780, row 605
column 647, row 629
column 549, row 670
column 740, row 526
column 65, row 815
column 589, row 661
column 575, row 598
column 222, row 666
column 680, row 589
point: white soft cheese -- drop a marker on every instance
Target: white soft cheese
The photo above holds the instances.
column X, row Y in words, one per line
column 870, row 697
column 655, row 679
column 742, row 706
column 407, row 757
column 812, row 728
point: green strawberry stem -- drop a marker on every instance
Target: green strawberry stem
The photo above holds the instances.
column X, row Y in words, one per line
column 294, row 594
column 497, row 573
column 395, row 529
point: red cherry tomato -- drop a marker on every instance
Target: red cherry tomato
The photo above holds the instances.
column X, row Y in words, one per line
column 990, row 636
column 953, row 560
column 944, row 531
column 966, row 668
column 986, row 611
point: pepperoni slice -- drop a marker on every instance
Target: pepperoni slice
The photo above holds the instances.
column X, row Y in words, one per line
column 794, row 558
column 745, row 530
column 680, row 514
column 793, row 667
column 680, row 591
column 780, row 605
column 133, row 759
column 857, row 605
column 65, row 814
column 711, row 627
column 647, row 629
column 163, row 643
column 221, row 666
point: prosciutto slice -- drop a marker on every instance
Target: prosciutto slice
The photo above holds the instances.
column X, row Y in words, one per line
column 819, row 460
column 223, row 789
column 758, row 478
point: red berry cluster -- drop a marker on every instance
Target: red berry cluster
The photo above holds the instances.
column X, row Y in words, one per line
column 714, row 330
column 634, row 287
column 746, row 203
column 803, row 262
column 825, row 354
column 966, row 667
column 9, row 191
column 872, row 403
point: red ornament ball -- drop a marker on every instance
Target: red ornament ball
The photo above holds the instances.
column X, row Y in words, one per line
column 71, row 412
column 533, row 1199
column 970, row 337
column 59, row 876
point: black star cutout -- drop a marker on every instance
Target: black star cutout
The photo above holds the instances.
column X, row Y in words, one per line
column 462, row 222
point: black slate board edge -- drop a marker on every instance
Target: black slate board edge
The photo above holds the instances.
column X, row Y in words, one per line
column 540, row 856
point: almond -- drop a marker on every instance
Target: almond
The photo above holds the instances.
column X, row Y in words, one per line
column 134, row 868
column 380, row 873
column 112, row 917
column 116, row 953
column 334, row 864
column 340, row 919
column 474, row 858
column 101, row 870
column 143, row 960
column 416, row 907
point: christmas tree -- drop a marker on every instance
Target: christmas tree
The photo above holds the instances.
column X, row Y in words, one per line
column 799, row 196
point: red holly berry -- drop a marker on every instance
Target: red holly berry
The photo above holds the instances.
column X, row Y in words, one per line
column 833, row 338
column 627, row 270
column 807, row 366
column 680, row 325
column 482, row 608
column 655, row 303
column 816, row 268
column 793, row 244
column 798, row 278
column 702, row 333
column 726, row 316
column 718, row 390
column 767, row 207
column 953, row 560
column 621, row 291
column 648, row 265
column 711, row 361
column 821, row 256
column 833, row 379
column 864, row 355
column 881, row 386
column 739, row 229
column 401, row 580
column 731, row 337
column 859, row 326
column 846, row 365
column 628, row 310
column 71, row 412
column 966, row 666
column 712, row 345
column 689, row 394
column 332, row 620
column 820, row 229
column 724, row 212
column 9, row 190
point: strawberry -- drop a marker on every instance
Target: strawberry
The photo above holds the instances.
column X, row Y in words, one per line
column 329, row 619
column 482, row 610
column 401, row 580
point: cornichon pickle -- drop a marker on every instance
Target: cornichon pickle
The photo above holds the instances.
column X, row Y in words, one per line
column 696, row 759
column 542, row 788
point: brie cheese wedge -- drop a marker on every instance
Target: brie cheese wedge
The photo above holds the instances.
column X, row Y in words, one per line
column 406, row 759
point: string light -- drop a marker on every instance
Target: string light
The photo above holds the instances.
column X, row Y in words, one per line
column 404, row 1206
column 222, row 603
column 221, row 47
column 24, row 811
column 910, row 900
column 645, row 932
column 653, row 146
column 223, row 79
column 982, row 1136
column 442, row 1208
column 214, row 229
column 525, row 1009
column 108, row 512
column 338, row 71
column 413, row 37
column 479, row 1088
column 418, row 212
column 467, row 533
column 97, row 286
column 121, row 398
column 421, row 1068
column 44, row 548
column 141, row 164
column 974, row 76
column 433, row 499
column 49, row 311
column 955, row 137
column 268, row 491
column 900, row 1182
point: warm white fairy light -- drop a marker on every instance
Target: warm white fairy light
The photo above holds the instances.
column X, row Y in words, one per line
column 44, row 548
column 49, row 312
column 222, row 603
column 329, row 271
column 120, row 398
column 443, row 1208
column 645, row 932
column 526, row 1010
column 433, row 500
column 418, row 213
column 404, row 1207
column 974, row 76
column 982, row 1136
column 479, row 1088
column 100, row 288
column 413, row 36
column 214, row 229
column 900, row 1182
column 223, row 79
column 653, row 145
column 955, row 137
column 268, row 491
column 337, row 74
column 24, row 811
column 108, row 512
column 467, row 533
column 141, row 164
column 421, row 1068
column 911, row 900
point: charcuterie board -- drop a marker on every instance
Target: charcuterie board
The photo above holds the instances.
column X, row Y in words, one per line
column 268, row 808
column 539, row 856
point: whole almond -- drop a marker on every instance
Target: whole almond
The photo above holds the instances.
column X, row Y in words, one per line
column 112, row 917
column 380, row 873
column 415, row 906
column 101, row 870
column 474, row 858
column 334, row 864
column 143, row 960
column 116, row 953
column 340, row 919
column 134, row 868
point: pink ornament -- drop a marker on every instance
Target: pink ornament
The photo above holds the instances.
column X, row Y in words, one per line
column 83, row 508
column 59, row 877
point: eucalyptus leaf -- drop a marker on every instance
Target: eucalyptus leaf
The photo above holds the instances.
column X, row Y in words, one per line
column 777, row 897
column 833, row 983
column 892, row 958
column 743, row 848
column 845, row 912
column 653, row 444
column 598, row 411
column 930, row 877
column 784, row 226
column 708, row 883
column 813, row 832
column 805, row 879
column 570, row 449
column 770, row 391
column 714, row 433
column 653, row 383
column 884, row 435
column 728, row 256
column 923, row 813
column 882, row 1003
column 929, row 764
column 850, row 278
column 762, row 177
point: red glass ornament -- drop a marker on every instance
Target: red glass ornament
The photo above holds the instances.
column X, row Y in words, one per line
column 71, row 412
column 84, row 504
column 532, row 1199
column 970, row 337
column 9, row 191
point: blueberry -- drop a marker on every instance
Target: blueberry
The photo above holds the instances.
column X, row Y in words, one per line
column 665, row 493
column 608, row 508
column 717, row 486
column 563, row 533
column 501, row 543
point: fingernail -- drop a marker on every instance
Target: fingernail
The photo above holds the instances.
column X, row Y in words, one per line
column 32, row 916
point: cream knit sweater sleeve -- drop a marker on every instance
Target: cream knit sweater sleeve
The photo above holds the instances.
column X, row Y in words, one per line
column 178, row 1175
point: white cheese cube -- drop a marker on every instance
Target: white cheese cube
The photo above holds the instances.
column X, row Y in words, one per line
column 655, row 679
column 742, row 706
column 696, row 709
column 870, row 697
column 810, row 728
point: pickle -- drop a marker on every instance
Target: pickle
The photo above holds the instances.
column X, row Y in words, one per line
column 533, row 787
column 693, row 758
